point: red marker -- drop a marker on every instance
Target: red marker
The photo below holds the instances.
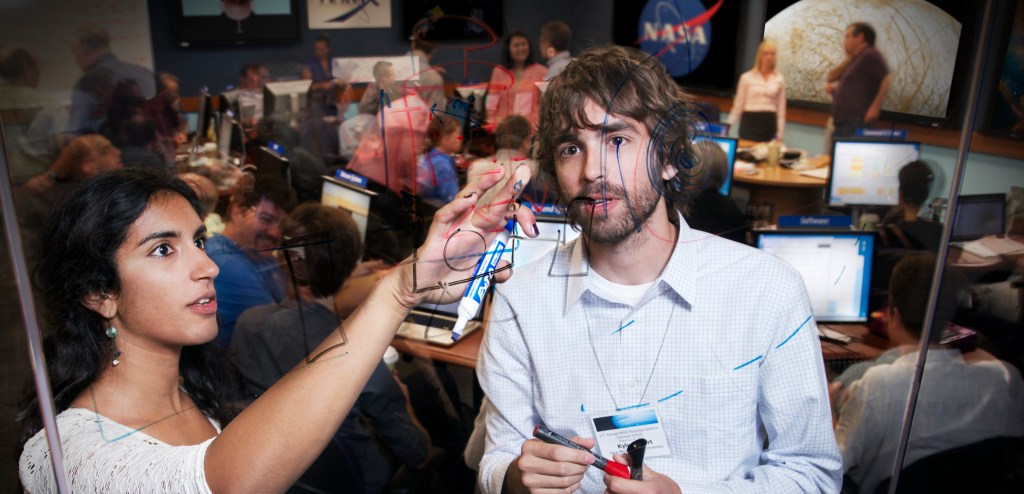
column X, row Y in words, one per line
column 610, row 467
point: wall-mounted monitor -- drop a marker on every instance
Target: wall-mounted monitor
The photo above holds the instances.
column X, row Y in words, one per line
column 866, row 173
column 1006, row 117
column 926, row 44
column 206, row 22
column 439, row 21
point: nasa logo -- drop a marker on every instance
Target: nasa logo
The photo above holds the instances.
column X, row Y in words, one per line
column 677, row 32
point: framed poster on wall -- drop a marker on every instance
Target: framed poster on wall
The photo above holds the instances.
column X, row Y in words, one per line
column 352, row 14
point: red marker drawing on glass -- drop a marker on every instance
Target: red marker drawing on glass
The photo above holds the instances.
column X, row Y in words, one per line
column 610, row 467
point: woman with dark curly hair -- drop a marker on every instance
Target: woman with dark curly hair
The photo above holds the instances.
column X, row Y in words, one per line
column 140, row 392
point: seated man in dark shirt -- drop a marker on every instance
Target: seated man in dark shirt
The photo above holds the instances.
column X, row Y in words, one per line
column 710, row 211
column 902, row 227
column 322, row 245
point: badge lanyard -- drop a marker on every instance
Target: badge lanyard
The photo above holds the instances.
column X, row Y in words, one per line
column 653, row 368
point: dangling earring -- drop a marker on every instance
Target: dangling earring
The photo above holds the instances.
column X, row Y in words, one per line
column 112, row 333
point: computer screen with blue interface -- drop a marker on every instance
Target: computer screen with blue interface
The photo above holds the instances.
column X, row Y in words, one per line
column 728, row 144
column 866, row 173
column 836, row 267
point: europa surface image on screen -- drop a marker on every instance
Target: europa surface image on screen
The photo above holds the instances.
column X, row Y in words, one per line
column 919, row 40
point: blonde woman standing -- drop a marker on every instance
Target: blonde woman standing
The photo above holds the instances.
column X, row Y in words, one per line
column 760, row 104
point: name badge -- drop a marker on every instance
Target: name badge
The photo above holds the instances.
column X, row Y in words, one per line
column 615, row 432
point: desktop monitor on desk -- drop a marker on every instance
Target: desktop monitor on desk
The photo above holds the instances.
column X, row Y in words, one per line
column 978, row 216
column 356, row 200
column 270, row 163
column 728, row 144
column 286, row 100
column 836, row 267
column 866, row 173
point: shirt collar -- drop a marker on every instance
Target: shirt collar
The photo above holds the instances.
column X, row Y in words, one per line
column 679, row 274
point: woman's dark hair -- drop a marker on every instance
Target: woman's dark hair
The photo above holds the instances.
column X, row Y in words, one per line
column 506, row 57
column 77, row 259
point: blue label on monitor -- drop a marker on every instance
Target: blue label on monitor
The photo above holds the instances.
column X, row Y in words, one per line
column 352, row 178
column 886, row 133
column 275, row 147
column 812, row 221
column 544, row 208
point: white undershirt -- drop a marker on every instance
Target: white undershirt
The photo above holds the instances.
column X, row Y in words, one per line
column 630, row 295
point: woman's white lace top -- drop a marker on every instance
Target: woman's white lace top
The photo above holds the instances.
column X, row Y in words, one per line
column 101, row 455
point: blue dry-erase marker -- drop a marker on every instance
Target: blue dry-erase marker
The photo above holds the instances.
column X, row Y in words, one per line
column 474, row 295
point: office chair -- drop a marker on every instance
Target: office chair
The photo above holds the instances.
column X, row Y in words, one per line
column 336, row 470
column 990, row 466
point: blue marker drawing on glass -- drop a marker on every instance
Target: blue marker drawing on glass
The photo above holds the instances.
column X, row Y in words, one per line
column 795, row 331
column 673, row 395
column 755, row 359
column 474, row 296
column 625, row 326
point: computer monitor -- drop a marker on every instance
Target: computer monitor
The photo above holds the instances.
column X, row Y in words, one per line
column 836, row 268
column 205, row 119
column 728, row 144
column 554, row 231
column 978, row 216
column 270, row 163
column 231, row 139
column 285, row 100
column 866, row 173
column 356, row 200
column 228, row 101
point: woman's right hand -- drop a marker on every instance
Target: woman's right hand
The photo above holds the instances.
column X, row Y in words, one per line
column 461, row 232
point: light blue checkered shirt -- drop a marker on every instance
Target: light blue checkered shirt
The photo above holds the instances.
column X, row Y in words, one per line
column 739, row 384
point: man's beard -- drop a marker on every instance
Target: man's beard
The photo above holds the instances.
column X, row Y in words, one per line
column 628, row 218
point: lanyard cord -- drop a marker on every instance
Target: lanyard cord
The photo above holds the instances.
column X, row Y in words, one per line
column 593, row 348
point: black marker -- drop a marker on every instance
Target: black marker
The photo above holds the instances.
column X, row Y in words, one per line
column 609, row 466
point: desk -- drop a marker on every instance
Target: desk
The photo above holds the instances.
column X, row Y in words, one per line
column 463, row 353
column 788, row 190
column 865, row 346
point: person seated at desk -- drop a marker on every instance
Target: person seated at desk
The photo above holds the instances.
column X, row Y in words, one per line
column 322, row 246
column 710, row 211
column 353, row 129
column 249, row 273
column 512, row 140
column 435, row 170
column 165, row 110
column 760, row 103
column 902, row 226
column 251, row 85
column 963, row 399
column 33, row 120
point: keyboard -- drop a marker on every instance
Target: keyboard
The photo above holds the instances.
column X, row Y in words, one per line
column 432, row 320
column 833, row 335
column 432, row 328
column 977, row 248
